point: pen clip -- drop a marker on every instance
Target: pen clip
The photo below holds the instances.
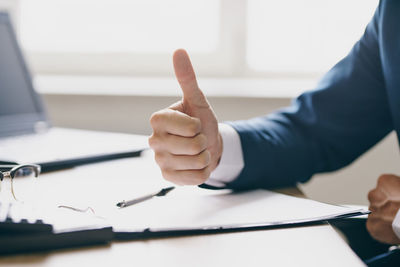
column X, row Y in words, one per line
column 161, row 193
column 164, row 191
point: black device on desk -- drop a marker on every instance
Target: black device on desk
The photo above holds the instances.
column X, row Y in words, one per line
column 26, row 135
column 21, row 232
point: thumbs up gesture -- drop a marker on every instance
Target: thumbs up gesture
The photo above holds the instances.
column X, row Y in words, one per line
column 185, row 139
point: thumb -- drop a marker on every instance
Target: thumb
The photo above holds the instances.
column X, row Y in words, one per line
column 186, row 77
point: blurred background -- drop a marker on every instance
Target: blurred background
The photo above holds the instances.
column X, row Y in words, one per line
column 106, row 64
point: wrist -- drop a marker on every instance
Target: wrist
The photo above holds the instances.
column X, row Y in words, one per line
column 229, row 160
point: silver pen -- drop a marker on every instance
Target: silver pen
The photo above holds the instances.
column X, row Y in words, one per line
column 162, row 192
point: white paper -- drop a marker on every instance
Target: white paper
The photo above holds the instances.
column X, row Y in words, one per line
column 190, row 207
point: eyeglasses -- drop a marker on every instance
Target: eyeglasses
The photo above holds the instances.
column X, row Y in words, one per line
column 25, row 177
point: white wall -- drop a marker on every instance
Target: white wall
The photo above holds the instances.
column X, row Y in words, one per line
column 131, row 113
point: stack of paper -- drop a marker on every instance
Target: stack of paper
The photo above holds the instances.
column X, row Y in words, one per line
column 189, row 208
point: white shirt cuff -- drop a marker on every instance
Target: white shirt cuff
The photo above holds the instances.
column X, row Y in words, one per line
column 231, row 162
column 396, row 224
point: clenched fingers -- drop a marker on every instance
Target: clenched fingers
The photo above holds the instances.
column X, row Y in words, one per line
column 187, row 177
column 175, row 122
column 178, row 145
column 171, row 162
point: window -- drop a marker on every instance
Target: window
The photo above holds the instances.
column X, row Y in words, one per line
column 307, row 36
column 111, row 26
column 226, row 38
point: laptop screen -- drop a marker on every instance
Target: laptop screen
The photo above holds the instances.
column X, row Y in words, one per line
column 20, row 106
column 13, row 82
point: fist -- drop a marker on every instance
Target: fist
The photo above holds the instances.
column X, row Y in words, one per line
column 186, row 142
column 384, row 205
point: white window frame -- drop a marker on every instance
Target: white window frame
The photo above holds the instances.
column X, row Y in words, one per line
column 227, row 60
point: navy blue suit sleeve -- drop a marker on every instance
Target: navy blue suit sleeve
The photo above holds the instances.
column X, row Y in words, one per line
column 324, row 129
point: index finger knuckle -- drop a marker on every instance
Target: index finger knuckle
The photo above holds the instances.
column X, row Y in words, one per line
column 384, row 178
column 156, row 118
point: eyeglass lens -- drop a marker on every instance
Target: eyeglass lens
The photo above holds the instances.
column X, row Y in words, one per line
column 21, row 186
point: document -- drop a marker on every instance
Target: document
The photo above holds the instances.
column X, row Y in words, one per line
column 191, row 208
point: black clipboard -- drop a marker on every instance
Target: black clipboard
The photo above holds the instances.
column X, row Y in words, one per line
column 149, row 233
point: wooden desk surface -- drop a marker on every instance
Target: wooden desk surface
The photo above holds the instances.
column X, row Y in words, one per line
column 122, row 179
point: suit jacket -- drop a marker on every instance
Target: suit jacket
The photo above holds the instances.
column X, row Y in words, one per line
column 356, row 104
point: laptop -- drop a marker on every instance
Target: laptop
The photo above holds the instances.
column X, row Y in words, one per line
column 26, row 134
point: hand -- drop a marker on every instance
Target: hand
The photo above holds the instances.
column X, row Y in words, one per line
column 384, row 205
column 185, row 139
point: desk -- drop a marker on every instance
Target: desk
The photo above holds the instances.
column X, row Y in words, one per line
column 122, row 179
